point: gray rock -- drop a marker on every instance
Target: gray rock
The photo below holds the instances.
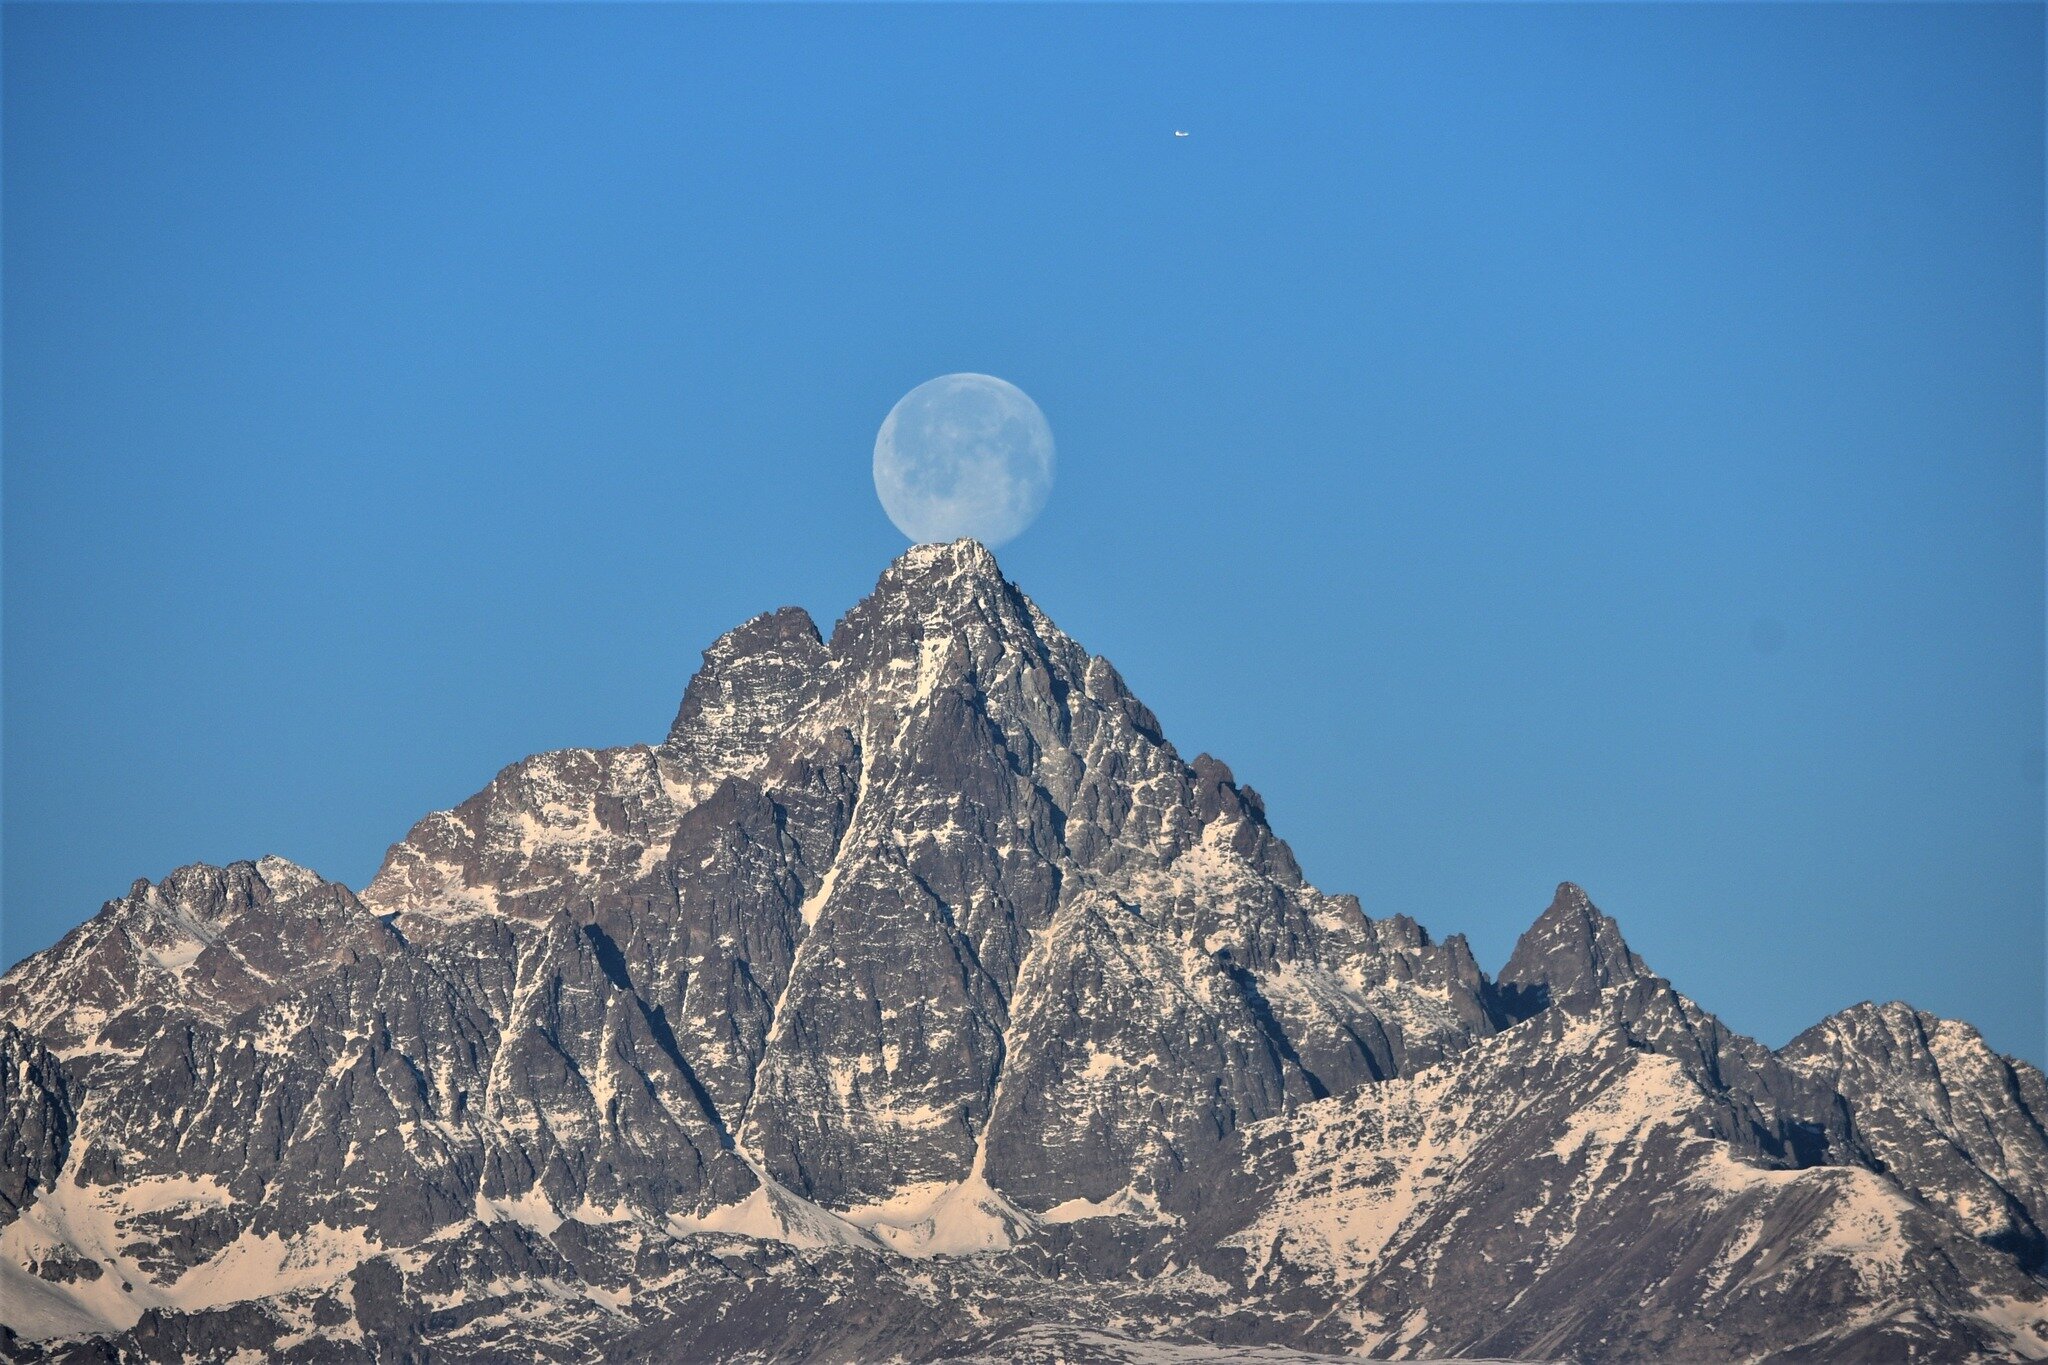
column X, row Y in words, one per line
column 913, row 999
column 1571, row 950
column 1948, row 1120
column 38, row 1111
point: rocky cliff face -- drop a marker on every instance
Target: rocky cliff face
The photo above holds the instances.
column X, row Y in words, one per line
column 915, row 997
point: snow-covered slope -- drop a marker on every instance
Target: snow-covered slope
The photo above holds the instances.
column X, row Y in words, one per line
column 915, row 997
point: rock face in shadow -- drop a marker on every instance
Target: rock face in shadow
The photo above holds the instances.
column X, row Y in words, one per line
column 38, row 1109
column 915, row 997
column 1572, row 950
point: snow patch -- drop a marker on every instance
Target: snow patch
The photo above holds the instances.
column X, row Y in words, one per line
column 939, row 1219
column 532, row 1209
column 254, row 1267
column 2022, row 1322
column 774, row 1213
column 1125, row 1203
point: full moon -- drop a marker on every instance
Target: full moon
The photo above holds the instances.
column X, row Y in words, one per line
column 963, row 455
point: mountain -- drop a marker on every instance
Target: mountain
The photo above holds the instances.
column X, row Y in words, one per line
column 914, row 998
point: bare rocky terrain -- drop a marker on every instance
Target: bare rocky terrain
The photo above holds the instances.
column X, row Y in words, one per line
column 915, row 999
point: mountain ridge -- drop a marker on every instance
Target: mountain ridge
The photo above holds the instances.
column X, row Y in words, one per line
column 918, row 950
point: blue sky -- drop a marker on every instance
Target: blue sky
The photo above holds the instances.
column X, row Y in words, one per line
column 1527, row 443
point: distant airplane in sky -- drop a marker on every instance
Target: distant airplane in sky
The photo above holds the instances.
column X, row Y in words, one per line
column 1178, row 133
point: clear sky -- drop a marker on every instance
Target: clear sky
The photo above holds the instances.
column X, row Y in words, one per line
column 1527, row 443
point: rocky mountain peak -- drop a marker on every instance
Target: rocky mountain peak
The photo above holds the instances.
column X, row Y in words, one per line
column 862, row 874
column 945, row 612
column 913, row 990
column 746, row 691
column 935, row 611
column 1892, row 1035
column 1571, row 950
column 205, row 941
column 1953, row 1121
column 940, row 583
column 962, row 561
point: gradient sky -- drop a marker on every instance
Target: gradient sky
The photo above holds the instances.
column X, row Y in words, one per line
column 1527, row 443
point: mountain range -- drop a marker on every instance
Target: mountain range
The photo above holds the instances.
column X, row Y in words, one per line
column 914, row 998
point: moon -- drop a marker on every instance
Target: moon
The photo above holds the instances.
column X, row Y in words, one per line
column 963, row 455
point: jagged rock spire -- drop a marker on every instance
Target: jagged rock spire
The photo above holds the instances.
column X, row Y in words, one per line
column 1571, row 950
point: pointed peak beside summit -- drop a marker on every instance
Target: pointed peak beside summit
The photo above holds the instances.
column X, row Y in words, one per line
column 749, row 680
column 1572, row 949
column 783, row 627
